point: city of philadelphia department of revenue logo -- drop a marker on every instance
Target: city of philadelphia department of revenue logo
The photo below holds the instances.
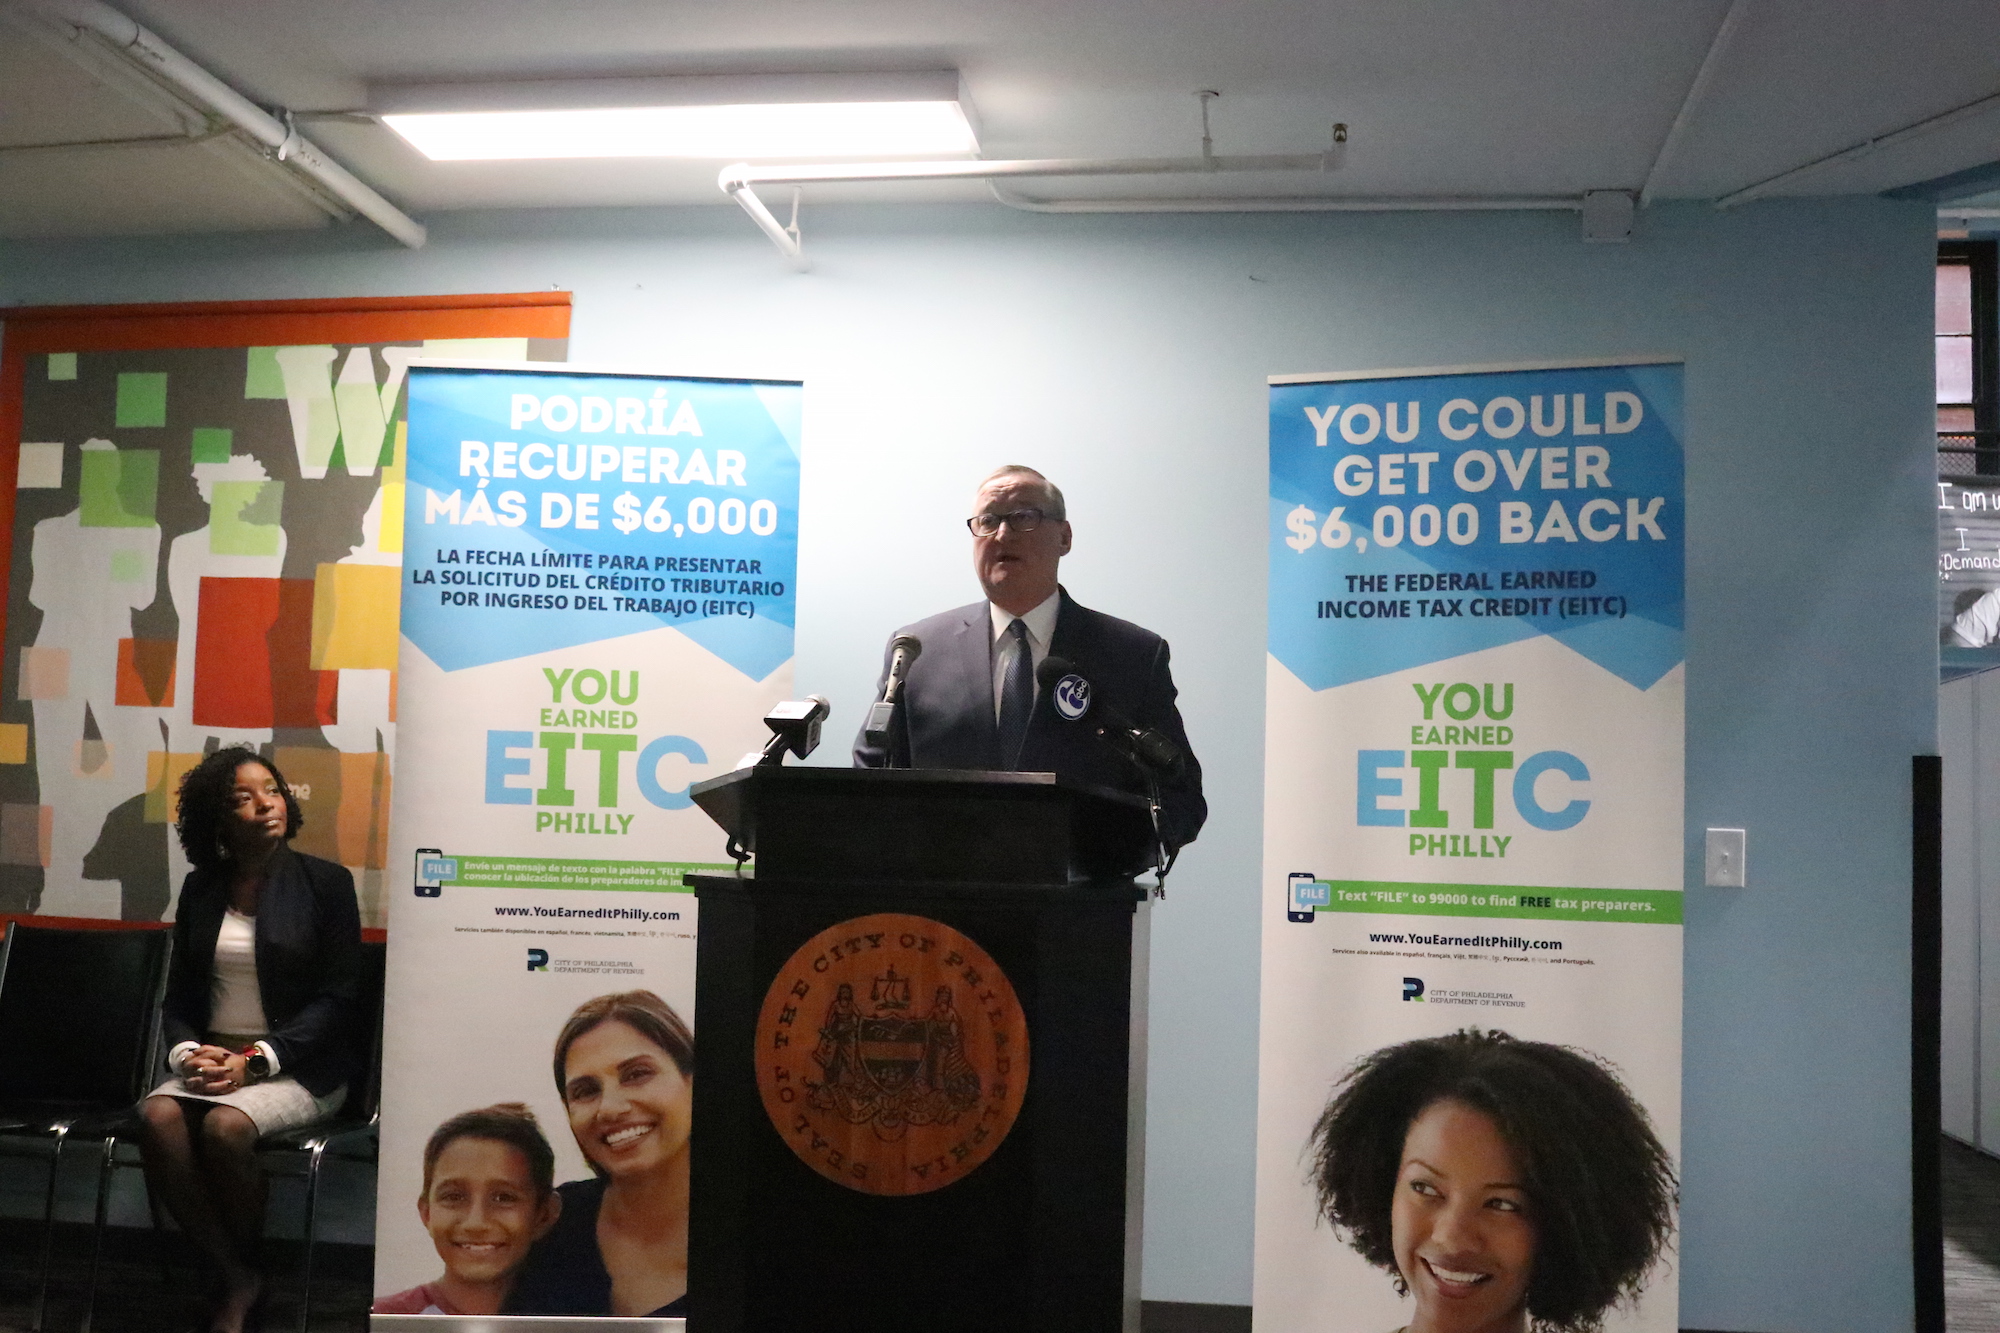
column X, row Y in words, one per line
column 892, row 1054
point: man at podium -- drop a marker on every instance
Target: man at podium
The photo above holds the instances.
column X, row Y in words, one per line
column 971, row 698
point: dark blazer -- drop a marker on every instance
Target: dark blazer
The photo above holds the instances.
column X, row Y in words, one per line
column 308, row 965
column 946, row 720
column 565, row 1273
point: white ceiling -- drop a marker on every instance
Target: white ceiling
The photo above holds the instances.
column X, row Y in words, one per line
column 1458, row 97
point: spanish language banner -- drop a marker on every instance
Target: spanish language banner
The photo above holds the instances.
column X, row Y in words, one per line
column 597, row 612
column 1469, row 1088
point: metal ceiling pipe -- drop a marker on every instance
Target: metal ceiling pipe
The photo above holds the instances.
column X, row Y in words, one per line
column 150, row 52
column 783, row 237
column 1696, row 91
column 1989, row 103
column 1420, row 203
column 739, row 180
column 742, row 174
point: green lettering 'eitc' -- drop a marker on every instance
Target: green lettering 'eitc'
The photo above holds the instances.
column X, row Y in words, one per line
column 1483, row 763
column 608, row 745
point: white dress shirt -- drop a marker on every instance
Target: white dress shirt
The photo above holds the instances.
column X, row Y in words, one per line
column 1041, row 623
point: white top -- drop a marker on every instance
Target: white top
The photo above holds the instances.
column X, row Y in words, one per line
column 1041, row 624
column 234, row 1002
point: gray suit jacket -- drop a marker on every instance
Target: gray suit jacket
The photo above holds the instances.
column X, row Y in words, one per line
column 946, row 720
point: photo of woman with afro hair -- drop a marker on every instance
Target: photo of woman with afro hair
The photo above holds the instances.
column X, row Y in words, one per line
column 1506, row 1184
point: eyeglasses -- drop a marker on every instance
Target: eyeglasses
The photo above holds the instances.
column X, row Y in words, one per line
column 1021, row 520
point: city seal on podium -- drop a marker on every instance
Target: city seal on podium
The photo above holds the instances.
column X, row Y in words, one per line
column 892, row 1054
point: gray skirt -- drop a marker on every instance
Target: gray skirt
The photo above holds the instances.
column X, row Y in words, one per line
column 273, row 1105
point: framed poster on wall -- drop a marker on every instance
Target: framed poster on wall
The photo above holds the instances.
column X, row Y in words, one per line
column 1968, row 573
column 205, row 504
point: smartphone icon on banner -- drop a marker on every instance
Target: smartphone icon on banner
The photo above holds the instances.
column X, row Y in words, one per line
column 1303, row 892
column 432, row 869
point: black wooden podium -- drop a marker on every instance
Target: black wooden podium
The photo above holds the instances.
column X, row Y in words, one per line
column 1040, row 1235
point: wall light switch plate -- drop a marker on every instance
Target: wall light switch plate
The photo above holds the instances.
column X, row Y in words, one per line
column 1725, row 858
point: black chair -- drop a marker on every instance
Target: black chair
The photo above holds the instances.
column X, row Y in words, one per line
column 350, row 1135
column 86, row 1004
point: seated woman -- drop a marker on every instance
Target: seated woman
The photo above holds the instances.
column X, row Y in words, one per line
column 259, row 1011
column 624, row 1065
column 489, row 1193
column 1500, row 1181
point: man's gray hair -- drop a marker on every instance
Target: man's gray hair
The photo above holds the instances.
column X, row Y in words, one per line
column 1052, row 496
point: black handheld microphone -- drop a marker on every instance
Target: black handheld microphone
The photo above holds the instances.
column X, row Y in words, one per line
column 794, row 726
column 1075, row 700
column 882, row 715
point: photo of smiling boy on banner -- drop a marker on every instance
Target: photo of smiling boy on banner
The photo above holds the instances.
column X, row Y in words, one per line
column 489, row 1194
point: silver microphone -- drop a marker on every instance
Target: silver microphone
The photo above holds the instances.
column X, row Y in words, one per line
column 882, row 715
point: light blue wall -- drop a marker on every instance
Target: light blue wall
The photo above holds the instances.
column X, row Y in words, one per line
column 1127, row 356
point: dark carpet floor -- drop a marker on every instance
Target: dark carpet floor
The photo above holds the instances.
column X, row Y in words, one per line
column 135, row 1295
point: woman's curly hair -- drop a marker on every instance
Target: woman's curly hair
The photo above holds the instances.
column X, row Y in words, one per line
column 1601, row 1189
column 205, row 794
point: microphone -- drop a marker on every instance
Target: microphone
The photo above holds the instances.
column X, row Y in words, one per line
column 794, row 726
column 1074, row 700
column 903, row 651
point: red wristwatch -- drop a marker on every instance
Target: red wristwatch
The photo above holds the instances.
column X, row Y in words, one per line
column 255, row 1063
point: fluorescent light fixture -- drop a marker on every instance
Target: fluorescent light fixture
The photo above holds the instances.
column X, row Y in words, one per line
column 710, row 116
column 785, row 129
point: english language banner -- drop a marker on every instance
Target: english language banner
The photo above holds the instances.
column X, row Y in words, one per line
column 597, row 612
column 1469, row 1087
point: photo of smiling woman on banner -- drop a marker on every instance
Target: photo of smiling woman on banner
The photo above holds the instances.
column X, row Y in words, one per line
column 624, row 1065
column 1504, row 1183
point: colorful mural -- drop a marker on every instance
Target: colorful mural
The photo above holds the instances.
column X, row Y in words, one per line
column 207, row 546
